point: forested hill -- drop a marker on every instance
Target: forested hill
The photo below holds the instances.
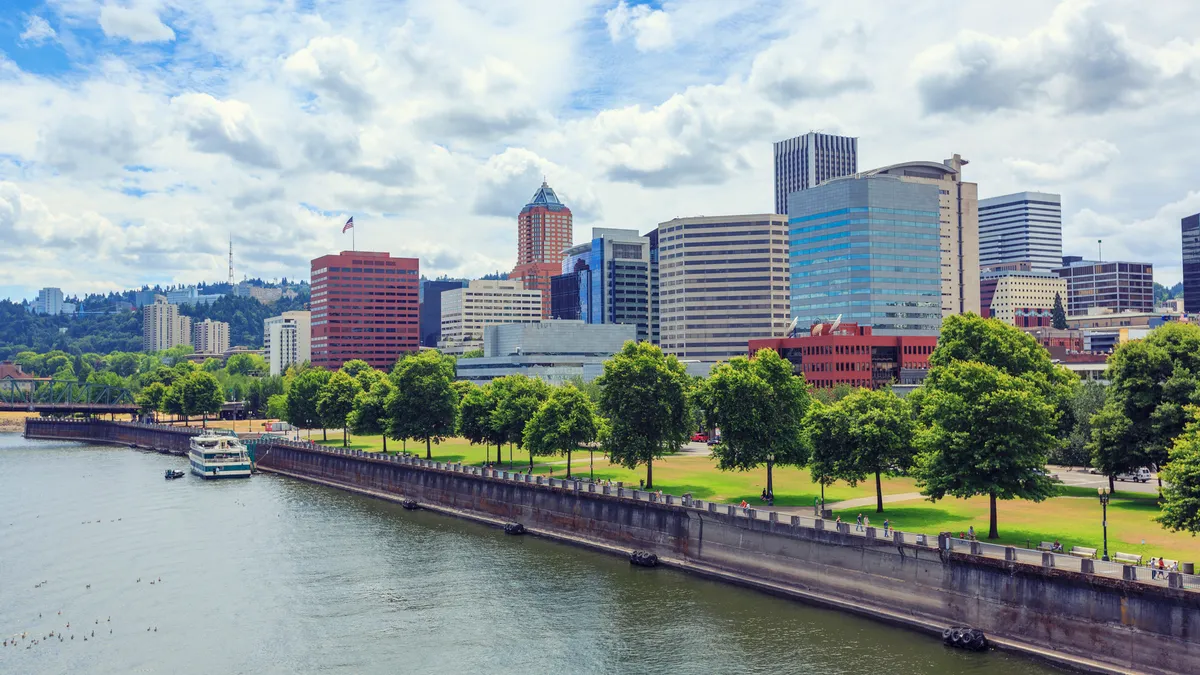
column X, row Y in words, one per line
column 122, row 332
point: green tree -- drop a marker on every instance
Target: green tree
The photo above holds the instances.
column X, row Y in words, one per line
column 643, row 397
column 211, row 365
column 369, row 416
column 1114, row 445
column 355, row 367
column 1087, row 398
column 335, row 401
column 986, row 433
column 564, row 423
column 517, row 399
column 302, row 398
column 247, row 364
column 472, row 354
column 422, row 407
column 475, row 419
column 1181, row 494
column 1058, row 317
column 828, row 431
column 202, row 395
column 759, row 406
column 881, row 430
column 277, row 407
column 173, row 401
column 124, row 364
column 150, row 399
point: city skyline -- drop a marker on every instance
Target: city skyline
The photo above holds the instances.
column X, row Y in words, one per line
column 133, row 147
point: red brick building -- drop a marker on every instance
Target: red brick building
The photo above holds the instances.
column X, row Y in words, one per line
column 365, row 305
column 851, row 354
column 544, row 231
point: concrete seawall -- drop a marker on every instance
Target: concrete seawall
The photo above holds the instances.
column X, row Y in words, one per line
column 1085, row 621
column 148, row 436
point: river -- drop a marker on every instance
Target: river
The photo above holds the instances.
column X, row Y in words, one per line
column 272, row 575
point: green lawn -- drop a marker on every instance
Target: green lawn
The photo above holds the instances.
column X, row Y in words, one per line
column 1072, row 518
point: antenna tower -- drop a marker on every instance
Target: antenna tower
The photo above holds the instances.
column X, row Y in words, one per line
column 231, row 262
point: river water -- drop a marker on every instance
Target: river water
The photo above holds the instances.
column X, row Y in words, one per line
column 272, row 575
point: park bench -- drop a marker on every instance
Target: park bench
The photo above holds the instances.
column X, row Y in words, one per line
column 1127, row 558
column 1083, row 552
column 1046, row 546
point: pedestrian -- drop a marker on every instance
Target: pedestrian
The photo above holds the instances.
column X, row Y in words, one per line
column 1162, row 568
column 1153, row 569
column 887, row 525
column 858, row 523
column 971, row 533
column 866, row 523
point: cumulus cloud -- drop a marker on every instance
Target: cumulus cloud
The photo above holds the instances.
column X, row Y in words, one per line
column 1077, row 62
column 338, row 70
column 225, row 127
column 649, row 28
column 1154, row 239
column 1079, row 161
column 93, row 145
column 136, row 23
column 37, row 30
column 785, row 75
column 509, row 179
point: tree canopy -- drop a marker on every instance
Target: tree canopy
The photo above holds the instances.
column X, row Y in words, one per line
column 643, row 397
column 870, row 433
column 302, row 397
column 423, row 403
column 369, row 415
column 517, row 400
column 1181, row 493
column 986, row 433
column 564, row 423
column 335, row 401
column 475, row 419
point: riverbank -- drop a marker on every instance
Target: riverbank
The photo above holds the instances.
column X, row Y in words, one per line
column 14, row 422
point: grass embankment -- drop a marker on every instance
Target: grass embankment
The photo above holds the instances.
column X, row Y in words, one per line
column 14, row 421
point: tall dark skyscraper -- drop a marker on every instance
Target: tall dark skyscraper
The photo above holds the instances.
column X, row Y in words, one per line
column 431, row 308
column 1191, row 263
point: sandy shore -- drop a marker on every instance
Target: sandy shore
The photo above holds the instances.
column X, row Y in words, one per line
column 14, row 421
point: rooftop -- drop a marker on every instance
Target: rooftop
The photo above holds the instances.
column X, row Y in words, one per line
column 545, row 198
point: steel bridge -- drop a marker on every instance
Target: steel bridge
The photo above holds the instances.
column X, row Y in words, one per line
column 65, row 397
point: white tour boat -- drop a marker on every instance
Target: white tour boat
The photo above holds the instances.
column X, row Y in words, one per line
column 218, row 456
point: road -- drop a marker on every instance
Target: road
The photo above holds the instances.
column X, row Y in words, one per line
column 1077, row 477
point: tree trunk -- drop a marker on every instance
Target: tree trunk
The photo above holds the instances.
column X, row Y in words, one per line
column 592, row 464
column 324, row 434
column 878, row 494
column 650, row 473
column 770, row 482
column 385, row 444
column 568, row 463
column 1112, row 486
column 428, row 449
column 993, row 531
column 530, row 456
column 344, row 438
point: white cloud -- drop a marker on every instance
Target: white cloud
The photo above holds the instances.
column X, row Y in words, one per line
column 650, row 28
column 1155, row 239
column 37, row 30
column 228, row 127
column 1079, row 161
column 137, row 24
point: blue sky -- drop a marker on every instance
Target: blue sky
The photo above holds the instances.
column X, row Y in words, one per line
column 137, row 136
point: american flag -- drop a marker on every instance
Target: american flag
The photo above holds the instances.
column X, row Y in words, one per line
column 349, row 225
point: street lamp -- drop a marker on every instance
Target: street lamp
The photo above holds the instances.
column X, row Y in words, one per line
column 770, row 485
column 1104, row 496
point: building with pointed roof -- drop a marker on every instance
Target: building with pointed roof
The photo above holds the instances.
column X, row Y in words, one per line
column 544, row 231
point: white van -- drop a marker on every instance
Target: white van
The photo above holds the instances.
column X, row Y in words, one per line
column 1141, row 475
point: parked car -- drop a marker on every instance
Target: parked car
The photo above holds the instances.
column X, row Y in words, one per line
column 714, row 440
column 699, row 437
column 1141, row 475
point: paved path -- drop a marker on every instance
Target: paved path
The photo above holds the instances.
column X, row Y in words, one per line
column 1082, row 478
column 870, row 501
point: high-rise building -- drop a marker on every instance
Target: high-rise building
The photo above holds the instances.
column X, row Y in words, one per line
column 365, row 306
column 467, row 311
column 163, row 327
column 722, row 281
column 605, row 280
column 544, row 231
column 655, row 337
column 1191, row 263
column 49, row 301
column 867, row 248
column 1022, row 298
column 809, row 160
column 431, row 308
column 210, row 337
column 958, row 204
column 287, row 340
column 1021, row 227
column 1109, row 286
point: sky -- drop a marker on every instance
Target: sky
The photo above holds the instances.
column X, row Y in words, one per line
column 137, row 137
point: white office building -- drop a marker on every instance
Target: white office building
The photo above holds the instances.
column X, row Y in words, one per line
column 49, row 301
column 1021, row 227
column 210, row 337
column 807, row 161
column 467, row 311
column 287, row 339
column 163, row 327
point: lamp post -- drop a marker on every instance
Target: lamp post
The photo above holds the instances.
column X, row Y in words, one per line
column 1104, row 504
column 770, row 486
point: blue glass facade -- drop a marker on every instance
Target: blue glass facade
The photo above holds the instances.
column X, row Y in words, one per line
column 868, row 249
column 606, row 280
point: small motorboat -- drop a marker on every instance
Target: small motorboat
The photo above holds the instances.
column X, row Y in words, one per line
column 172, row 474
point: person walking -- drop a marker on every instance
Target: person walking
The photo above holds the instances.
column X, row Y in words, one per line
column 858, row 523
column 971, row 533
column 887, row 526
column 866, row 523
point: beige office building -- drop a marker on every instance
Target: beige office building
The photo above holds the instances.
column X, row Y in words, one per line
column 723, row 281
column 210, row 337
column 1018, row 297
column 959, row 203
column 287, row 339
column 163, row 327
column 467, row 311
